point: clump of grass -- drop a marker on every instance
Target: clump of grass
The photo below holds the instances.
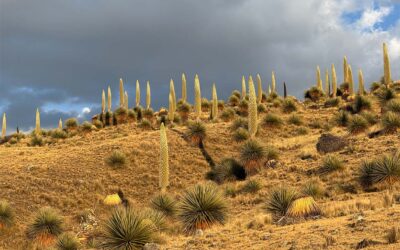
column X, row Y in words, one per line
column 357, row 124
column 6, row 214
column 234, row 100
column 384, row 95
column 251, row 186
column 244, row 107
column 252, row 154
column 391, row 122
column 314, row 94
column 145, row 124
column 165, row 204
column 98, row 124
column 127, row 228
column 384, row 170
column 116, row 159
column 280, row 200
column 370, row 117
column 393, row 106
column 71, row 123
column 393, row 235
column 184, row 110
column 201, row 207
column 131, row 115
column 332, row 102
column 301, row 131
column 46, row 226
column 295, row 120
column 67, row 241
column 241, row 134
column 303, row 207
column 289, row 105
column 330, row 164
column 261, row 108
column 342, row 118
column 36, row 140
column 86, row 126
column 313, row 188
column 240, row 123
column 272, row 153
column 272, row 121
column 196, row 132
column 228, row 114
column 361, row 103
column 59, row 134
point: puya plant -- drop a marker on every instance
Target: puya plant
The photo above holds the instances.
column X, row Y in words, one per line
column 164, row 162
column 253, row 117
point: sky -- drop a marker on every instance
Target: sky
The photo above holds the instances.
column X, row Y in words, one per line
column 59, row 55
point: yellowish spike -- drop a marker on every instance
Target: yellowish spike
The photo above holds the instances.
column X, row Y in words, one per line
column 386, row 65
column 334, row 81
column 345, row 70
column 243, row 87
column 214, row 110
column 319, row 80
column 37, row 128
column 360, row 83
column 126, row 100
column 273, row 84
column 109, row 101
column 197, row 95
column 171, row 110
column 121, row 93
column 184, row 91
column 137, row 93
column 350, row 78
column 164, row 160
column 4, row 127
column 327, row 83
column 103, row 102
column 148, row 95
column 259, row 89
column 172, row 91
column 60, row 124
column 253, row 117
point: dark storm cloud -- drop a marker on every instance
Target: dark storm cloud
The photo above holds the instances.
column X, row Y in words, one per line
column 77, row 48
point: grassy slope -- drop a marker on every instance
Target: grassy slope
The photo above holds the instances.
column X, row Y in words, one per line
column 71, row 176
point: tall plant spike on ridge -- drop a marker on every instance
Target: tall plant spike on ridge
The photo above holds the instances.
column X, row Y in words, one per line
column 253, row 118
column 184, row 90
column 284, row 90
column 243, row 87
column 197, row 97
column 4, row 127
column 327, row 87
column 172, row 91
column 273, row 83
column 334, row 81
column 360, row 83
column 164, row 162
column 148, row 95
column 171, row 110
column 126, row 100
column 121, row 93
column 386, row 65
column 60, row 125
column 350, row 78
column 214, row 110
column 259, row 89
column 103, row 102
column 269, row 89
column 345, row 70
column 137, row 93
column 37, row 128
column 109, row 101
column 319, row 80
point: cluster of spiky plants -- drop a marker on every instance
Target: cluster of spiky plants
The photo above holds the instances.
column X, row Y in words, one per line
column 384, row 95
column 46, row 226
column 239, row 123
column 342, row 118
column 393, row 106
column 361, row 103
column 196, row 132
column 164, row 203
column 184, row 110
column 71, row 123
column 6, row 214
column 227, row 114
column 145, row 124
column 384, row 170
column 252, row 156
column 313, row 188
column 67, row 241
column 314, row 94
column 59, row 134
column 116, row 159
column 201, row 207
column 252, row 186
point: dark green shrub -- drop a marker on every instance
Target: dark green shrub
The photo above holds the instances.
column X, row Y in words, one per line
column 289, row 105
column 241, row 134
column 272, row 120
column 116, row 159
column 295, row 120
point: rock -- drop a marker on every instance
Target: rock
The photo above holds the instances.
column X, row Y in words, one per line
column 329, row 143
column 366, row 243
column 265, row 237
column 199, row 233
column 151, row 246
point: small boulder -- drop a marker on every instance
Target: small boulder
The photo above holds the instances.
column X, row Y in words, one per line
column 329, row 143
column 151, row 246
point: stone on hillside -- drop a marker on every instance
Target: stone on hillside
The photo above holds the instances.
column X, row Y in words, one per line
column 329, row 143
column 151, row 246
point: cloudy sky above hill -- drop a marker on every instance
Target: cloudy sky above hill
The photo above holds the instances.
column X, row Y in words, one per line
column 59, row 55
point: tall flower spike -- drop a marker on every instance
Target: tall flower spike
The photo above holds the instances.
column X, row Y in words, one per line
column 345, row 70
column 350, row 78
column 184, row 91
column 252, row 119
column 121, row 93
column 109, row 101
column 360, row 83
column 243, row 87
column 137, row 93
column 60, row 125
column 319, row 80
column 334, row 81
column 214, row 110
column 164, row 161
column 259, row 89
column 273, row 84
column 4, row 127
column 37, row 129
column 103, row 102
column 148, row 95
column 386, row 65
column 327, row 83
column 197, row 97
column 126, row 100
column 171, row 110
column 172, row 91
column 284, row 90
column 269, row 89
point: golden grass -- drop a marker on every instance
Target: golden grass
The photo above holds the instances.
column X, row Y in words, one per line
column 303, row 207
column 112, row 200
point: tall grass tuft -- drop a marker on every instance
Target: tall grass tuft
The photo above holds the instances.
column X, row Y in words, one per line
column 6, row 214
column 67, row 241
column 391, row 122
column 46, row 226
column 253, row 117
column 164, row 162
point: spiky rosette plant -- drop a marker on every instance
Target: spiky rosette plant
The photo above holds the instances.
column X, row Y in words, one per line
column 148, row 95
column 384, row 95
column 137, row 94
column 252, row 156
column 202, row 207
column 361, row 103
column 71, row 123
column 391, row 122
column 67, row 241
column 289, row 105
column 184, row 110
column 334, row 81
column 228, row 114
column 303, row 207
column 196, row 132
column 214, row 109
column 6, row 214
column 357, row 124
column 184, row 91
column 164, row 162
column 253, row 116
column 164, row 203
column 342, row 118
column 361, row 90
column 4, row 126
column 386, row 65
column 46, row 226
column 197, row 97
column 127, row 229
column 394, row 106
column 243, row 95
column 280, row 200
column 234, row 100
column 272, row 120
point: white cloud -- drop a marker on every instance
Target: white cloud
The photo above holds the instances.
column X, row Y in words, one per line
column 371, row 17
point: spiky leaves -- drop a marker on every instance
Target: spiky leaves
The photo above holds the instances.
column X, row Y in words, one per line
column 334, row 81
column 184, row 90
column 103, row 102
column 259, row 89
column 164, row 162
column 4, row 126
column 214, row 110
column 172, row 92
column 109, row 101
column 345, row 72
column 350, row 80
column 165, row 204
column 361, row 90
column 253, row 117
column 148, row 95
column 37, row 128
column 6, row 214
column 252, row 155
column 319, row 80
column 386, row 65
column 201, row 207
column 46, row 226
column 137, row 93
column 243, row 87
column 121, row 93
column 279, row 201
column 197, row 97
column 171, row 110
column 67, row 241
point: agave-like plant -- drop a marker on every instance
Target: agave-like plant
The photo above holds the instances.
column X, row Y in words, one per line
column 165, row 204
column 391, row 122
column 280, row 200
column 6, row 214
column 201, row 207
column 252, row 154
column 46, row 226
column 67, row 241
column 196, row 132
